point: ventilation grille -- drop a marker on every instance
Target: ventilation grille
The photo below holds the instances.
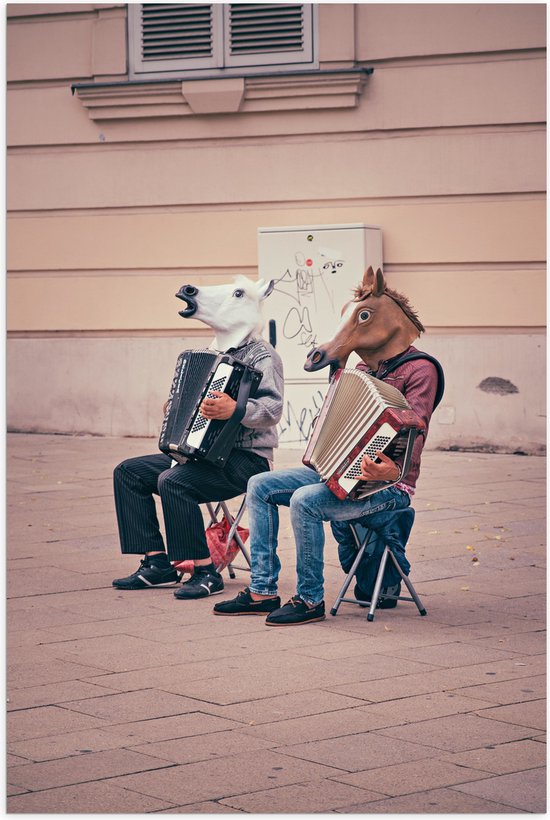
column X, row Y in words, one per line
column 260, row 28
column 176, row 31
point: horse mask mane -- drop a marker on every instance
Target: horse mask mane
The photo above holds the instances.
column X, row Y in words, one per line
column 374, row 284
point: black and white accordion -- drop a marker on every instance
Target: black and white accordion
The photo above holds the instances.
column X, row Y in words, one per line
column 185, row 433
column 360, row 416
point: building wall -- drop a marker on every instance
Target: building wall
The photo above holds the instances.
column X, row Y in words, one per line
column 115, row 199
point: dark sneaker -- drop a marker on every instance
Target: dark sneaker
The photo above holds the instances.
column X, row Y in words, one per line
column 149, row 575
column 389, row 603
column 244, row 605
column 383, row 603
column 296, row 611
column 362, row 597
column 200, row 585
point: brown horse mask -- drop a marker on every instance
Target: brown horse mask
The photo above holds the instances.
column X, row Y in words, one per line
column 377, row 324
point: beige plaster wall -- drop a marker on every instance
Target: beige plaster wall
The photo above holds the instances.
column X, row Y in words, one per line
column 113, row 202
column 117, row 387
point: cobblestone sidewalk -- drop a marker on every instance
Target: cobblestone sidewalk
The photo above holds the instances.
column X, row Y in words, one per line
column 133, row 702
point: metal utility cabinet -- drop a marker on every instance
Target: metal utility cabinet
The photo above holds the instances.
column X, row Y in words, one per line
column 315, row 268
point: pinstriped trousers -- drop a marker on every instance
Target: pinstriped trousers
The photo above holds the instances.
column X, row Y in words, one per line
column 181, row 489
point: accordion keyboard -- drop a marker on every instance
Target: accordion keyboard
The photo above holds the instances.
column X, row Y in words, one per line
column 200, row 424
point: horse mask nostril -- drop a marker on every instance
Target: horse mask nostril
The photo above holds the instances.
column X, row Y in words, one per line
column 188, row 293
column 315, row 360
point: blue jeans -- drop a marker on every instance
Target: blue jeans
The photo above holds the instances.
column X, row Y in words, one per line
column 311, row 503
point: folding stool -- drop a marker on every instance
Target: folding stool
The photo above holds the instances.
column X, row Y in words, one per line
column 363, row 537
column 363, row 540
column 214, row 512
column 233, row 524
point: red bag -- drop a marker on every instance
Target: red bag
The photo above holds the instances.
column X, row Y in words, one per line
column 221, row 553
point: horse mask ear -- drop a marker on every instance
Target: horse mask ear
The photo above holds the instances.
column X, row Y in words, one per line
column 374, row 283
column 265, row 289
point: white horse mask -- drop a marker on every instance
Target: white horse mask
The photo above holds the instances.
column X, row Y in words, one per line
column 233, row 310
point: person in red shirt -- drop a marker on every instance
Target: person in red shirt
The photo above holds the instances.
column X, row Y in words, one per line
column 379, row 325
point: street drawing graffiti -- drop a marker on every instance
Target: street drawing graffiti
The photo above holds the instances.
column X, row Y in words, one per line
column 310, row 293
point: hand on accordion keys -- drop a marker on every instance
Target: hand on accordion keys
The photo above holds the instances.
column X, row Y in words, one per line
column 384, row 470
column 218, row 406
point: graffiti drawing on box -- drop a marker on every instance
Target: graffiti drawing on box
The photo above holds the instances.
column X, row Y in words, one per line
column 312, row 294
column 297, row 422
column 307, row 285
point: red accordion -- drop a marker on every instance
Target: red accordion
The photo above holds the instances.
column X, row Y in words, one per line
column 360, row 416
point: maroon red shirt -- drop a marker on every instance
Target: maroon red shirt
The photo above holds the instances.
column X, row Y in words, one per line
column 417, row 380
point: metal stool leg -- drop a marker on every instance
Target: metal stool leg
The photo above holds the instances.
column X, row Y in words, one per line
column 378, row 584
column 408, row 583
column 213, row 512
column 349, row 577
column 233, row 533
column 377, row 595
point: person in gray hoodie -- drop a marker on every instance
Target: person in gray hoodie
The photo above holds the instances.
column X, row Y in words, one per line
column 233, row 311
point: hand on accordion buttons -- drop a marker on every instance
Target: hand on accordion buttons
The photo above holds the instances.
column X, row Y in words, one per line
column 385, row 470
column 221, row 406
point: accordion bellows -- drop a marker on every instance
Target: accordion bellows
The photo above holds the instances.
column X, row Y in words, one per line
column 185, row 433
column 360, row 416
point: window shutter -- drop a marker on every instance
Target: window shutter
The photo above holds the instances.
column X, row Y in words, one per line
column 176, row 31
column 259, row 28
column 174, row 37
column 218, row 38
column 267, row 34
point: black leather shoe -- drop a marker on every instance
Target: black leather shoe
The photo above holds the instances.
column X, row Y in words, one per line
column 243, row 604
column 296, row 611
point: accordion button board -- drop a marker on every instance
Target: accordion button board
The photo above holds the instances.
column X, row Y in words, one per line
column 200, row 425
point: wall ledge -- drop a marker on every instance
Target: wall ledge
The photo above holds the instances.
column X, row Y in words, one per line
column 253, row 94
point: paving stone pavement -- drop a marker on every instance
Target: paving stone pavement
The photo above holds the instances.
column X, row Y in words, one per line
column 134, row 702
